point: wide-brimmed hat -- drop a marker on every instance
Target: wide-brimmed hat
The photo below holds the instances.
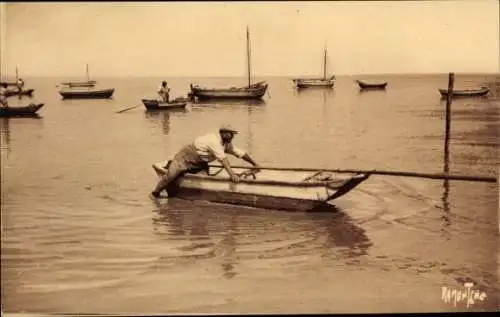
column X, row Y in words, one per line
column 228, row 128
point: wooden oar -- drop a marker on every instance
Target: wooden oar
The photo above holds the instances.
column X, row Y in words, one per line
column 378, row 172
column 129, row 108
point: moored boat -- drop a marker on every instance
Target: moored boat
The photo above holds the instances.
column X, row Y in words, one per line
column 86, row 83
column 254, row 91
column 153, row 104
column 250, row 91
column 15, row 92
column 365, row 85
column 318, row 82
column 483, row 91
column 87, row 94
column 290, row 189
column 74, row 84
column 314, row 82
column 24, row 111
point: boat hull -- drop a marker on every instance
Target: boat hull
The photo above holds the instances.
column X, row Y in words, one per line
column 292, row 191
column 26, row 111
column 255, row 91
column 465, row 92
column 91, row 94
column 15, row 92
column 314, row 82
column 152, row 104
column 378, row 86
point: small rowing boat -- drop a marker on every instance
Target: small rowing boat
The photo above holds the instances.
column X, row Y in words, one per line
column 25, row 111
column 365, row 85
column 483, row 91
column 290, row 189
column 87, row 94
column 153, row 104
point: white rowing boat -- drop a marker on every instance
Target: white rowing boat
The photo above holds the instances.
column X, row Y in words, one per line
column 268, row 188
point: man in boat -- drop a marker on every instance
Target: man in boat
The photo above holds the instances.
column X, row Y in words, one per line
column 164, row 92
column 20, row 84
column 3, row 97
column 195, row 157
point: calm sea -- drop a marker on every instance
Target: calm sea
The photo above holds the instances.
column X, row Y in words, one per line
column 79, row 233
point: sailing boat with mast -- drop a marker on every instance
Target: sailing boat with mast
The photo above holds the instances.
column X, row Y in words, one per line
column 250, row 91
column 87, row 83
column 316, row 81
column 18, row 91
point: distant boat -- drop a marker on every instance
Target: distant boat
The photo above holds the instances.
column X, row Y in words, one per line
column 365, row 85
column 483, row 91
column 11, row 83
column 87, row 94
column 87, row 83
column 24, row 111
column 8, row 83
column 308, row 82
column 15, row 92
column 250, row 91
column 152, row 104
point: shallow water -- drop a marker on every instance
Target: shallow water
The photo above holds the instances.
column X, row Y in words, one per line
column 79, row 233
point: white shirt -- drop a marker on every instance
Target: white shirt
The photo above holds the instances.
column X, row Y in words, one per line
column 210, row 147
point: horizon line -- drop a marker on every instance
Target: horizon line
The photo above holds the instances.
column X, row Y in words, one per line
column 258, row 76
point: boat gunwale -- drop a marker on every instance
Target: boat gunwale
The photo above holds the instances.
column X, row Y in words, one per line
column 326, row 184
column 465, row 92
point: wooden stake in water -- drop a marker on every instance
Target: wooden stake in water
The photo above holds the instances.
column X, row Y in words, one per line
column 446, row 157
column 451, row 80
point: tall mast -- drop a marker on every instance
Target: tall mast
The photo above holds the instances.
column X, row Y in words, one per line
column 248, row 56
column 17, row 74
column 324, row 66
column 87, row 71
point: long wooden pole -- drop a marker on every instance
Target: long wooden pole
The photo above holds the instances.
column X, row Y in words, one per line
column 377, row 172
column 248, row 56
column 446, row 157
column 451, row 81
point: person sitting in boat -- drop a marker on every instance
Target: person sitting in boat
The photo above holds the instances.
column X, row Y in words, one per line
column 164, row 92
column 3, row 96
column 194, row 157
column 20, row 84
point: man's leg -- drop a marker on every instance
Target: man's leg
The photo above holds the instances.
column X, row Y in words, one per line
column 173, row 172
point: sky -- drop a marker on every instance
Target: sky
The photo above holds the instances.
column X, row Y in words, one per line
column 287, row 38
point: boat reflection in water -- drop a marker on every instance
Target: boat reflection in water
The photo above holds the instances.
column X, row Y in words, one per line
column 8, row 124
column 235, row 238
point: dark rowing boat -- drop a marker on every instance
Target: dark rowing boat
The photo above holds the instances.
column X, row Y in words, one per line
column 24, row 111
column 152, row 104
column 87, row 94
column 365, row 85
